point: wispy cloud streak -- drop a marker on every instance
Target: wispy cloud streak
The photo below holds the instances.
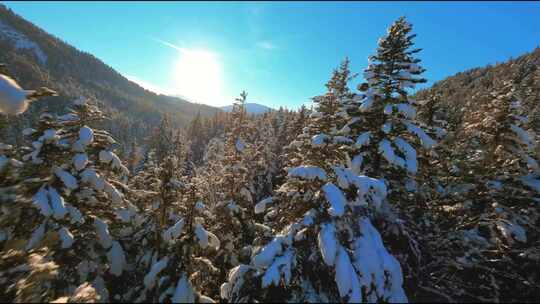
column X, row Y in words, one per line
column 149, row 86
column 171, row 45
column 266, row 45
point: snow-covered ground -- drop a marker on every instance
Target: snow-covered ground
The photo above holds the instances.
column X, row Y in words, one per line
column 20, row 41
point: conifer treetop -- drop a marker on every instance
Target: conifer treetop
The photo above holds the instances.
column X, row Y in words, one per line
column 393, row 68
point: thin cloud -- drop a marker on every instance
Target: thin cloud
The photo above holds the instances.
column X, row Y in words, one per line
column 148, row 86
column 255, row 9
column 266, row 45
column 171, row 45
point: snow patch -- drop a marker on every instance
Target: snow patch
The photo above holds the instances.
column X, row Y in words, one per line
column 57, row 203
column 319, row 140
column 173, row 232
column 261, row 206
column 346, row 278
column 369, row 189
column 407, row 110
column 150, row 278
column 69, row 180
column 36, row 237
column 427, row 142
column 385, row 148
column 281, row 265
column 308, row 172
column 336, row 199
column 240, row 145
column 66, row 237
column 102, row 230
column 410, row 154
column 524, row 136
column 267, row 254
column 80, row 160
column 184, row 292
column 512, row 231
column 363, row 139
column 380, row 273
column 327, row 242
column 41, row 200
column 117, row 259
column 235, row 280
column 20, row 41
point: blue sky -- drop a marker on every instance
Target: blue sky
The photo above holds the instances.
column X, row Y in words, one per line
column 281, row 53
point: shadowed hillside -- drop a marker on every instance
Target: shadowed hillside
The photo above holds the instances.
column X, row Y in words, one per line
column 37, row 58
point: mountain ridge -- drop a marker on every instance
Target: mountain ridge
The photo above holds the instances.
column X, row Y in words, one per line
column 465, row 91
column 251, row 108
column 35, row 58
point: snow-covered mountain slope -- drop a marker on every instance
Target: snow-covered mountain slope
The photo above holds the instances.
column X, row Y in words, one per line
column 20, row 41
column 251, row 108
column 35, row 58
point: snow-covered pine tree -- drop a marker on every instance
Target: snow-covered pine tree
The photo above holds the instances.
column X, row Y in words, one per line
column 324, row 248
column 173, row 251
column 287, row 126
column 386, row 135
column 433, row 166
column 196, row 135
column 9, row 166
column 503, row 140
column 172, row 263
column 134, row 157
column 209, row 172
column 385, row 117
column 264, row 160
column 228, row 182
column 70, row 205
column 490, row 205
column 315, row 139
column 315, row 147
column 338, row 85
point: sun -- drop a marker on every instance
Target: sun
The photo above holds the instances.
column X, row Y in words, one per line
column 199, row 76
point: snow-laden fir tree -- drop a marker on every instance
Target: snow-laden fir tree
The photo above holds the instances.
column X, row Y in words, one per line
column 504, row 143
column 338, row 85
column 381, row 123
column 328, row 118
column 228, row 183
column 433, row 164
column 325, row 248
column 71, row 205
column 315, row 146
column 490, row 200
column 384, row 120
column 196, row 135
column 174, row 243
column 135, row 157
column 264, row 159
column 287, row 126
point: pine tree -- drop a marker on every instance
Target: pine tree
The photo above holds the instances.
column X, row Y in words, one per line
column 195, row 134
column 381, row 122
column 173, row 241
column 338, row 83
column 488, row 201
column 72, row 176
column 385, row 117
column 264, row 160
column 323, row 237
column 229, row 182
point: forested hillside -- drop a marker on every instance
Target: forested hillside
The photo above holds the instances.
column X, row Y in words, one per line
column 37, row 58
column 464, row 91
column 374, row 195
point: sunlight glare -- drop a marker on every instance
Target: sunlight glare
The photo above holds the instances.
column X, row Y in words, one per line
column 198, row 76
